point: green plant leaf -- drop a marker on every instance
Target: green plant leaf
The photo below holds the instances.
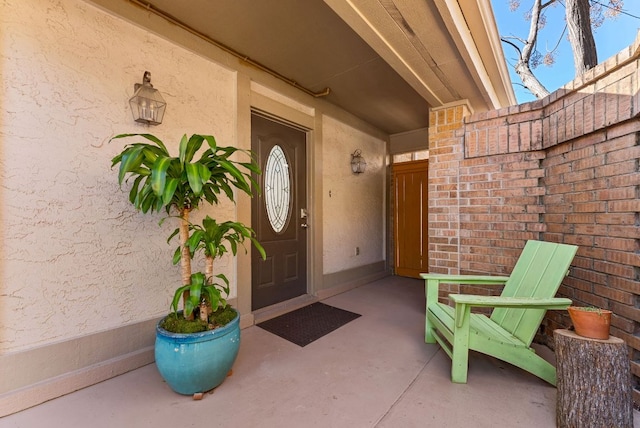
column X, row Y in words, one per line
column 182, row 149
column 259, row 247
column 133, row 193
column 240, row 181
column 148, row 201
column 149, row 137
column 227, row 190
column 234, row 246
column 211, row 141
column 193, row 145
column 213, row 295
column 193, row 175
column 177, row 296
column 159, row 175
column 131, row 158
column 170, row 190
column 224, row 279
column 205, row 173
column 177, row 256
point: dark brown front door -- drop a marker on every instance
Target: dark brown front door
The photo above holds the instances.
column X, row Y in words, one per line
column 411, row 218
column 278, row 213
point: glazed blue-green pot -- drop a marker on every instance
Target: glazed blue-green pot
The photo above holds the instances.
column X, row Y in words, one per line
column 197, row 362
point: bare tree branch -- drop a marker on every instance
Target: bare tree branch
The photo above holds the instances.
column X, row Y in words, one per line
column 580, row 16
column 529, row 80
column 507, row 41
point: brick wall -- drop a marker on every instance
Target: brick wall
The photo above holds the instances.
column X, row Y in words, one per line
column 562, row 169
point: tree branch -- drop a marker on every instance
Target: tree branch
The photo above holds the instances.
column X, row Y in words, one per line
column 529, row 80
column 509, row 42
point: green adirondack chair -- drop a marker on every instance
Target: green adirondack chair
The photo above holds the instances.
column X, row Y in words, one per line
column 507, row 335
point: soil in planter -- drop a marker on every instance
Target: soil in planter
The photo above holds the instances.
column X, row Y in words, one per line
column 175, row 323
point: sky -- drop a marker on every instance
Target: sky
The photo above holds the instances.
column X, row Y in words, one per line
column 612, row 37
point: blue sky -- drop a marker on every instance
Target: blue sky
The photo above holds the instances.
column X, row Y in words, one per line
column 611, row 38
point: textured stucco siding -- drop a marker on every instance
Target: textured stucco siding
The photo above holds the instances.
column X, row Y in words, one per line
column 76, row 257
column 353, row 205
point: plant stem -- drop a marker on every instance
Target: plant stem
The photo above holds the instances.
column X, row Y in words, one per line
column 185, row 261
column 208, row 274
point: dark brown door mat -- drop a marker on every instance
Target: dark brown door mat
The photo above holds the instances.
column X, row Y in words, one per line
column 307, row 324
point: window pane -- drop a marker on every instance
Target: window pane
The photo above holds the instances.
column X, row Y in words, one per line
column 277, row 185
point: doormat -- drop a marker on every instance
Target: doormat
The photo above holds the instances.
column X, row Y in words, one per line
column 309, row 323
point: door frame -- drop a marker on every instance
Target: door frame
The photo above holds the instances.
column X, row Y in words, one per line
column 290, row 113
column 296, row 213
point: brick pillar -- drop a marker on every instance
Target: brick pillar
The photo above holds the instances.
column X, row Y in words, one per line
column 446, row 151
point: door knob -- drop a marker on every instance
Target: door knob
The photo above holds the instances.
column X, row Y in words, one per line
column 304, row 225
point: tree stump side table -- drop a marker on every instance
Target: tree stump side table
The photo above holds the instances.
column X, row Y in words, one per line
column 594, row 382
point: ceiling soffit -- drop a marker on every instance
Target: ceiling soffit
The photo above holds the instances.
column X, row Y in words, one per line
column 445, row 52
column 385, row 61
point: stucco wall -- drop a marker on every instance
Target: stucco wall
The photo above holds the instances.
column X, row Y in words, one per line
column 353, row 214
column 76, row 257
column 83, row 276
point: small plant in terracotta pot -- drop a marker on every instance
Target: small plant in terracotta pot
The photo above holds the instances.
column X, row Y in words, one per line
column 590, row 322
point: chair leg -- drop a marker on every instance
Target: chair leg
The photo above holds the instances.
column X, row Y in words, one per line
column 459, row 362
column 460, row 352
column 431, row 295
column 428, row 329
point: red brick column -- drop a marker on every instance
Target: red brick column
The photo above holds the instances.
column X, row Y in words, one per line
column 446, row 145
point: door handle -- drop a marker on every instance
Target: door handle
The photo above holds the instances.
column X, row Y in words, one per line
column 304, row 225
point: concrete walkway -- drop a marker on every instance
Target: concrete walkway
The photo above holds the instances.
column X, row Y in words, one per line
column 376, row 371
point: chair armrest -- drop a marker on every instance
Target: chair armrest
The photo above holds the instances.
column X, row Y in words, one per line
column 464, row 279
column 511, row 302
column 464, row 302
column 432, row 283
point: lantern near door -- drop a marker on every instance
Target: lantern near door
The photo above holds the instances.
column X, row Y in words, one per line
column 358, row 164
column 147, row 105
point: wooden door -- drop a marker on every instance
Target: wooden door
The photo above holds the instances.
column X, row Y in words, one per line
column 278, row 213
column 410, row 218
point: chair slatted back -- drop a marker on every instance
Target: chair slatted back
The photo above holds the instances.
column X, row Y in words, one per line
column 538, row 273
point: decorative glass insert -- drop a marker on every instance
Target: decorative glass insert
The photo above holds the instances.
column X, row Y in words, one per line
column 277, row 185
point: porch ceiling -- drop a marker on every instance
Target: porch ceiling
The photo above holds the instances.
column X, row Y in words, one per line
column 385, row 61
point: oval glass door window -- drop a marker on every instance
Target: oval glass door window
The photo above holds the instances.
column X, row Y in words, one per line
column 277, row 185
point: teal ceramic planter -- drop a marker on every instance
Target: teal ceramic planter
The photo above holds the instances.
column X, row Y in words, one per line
column 197, row 362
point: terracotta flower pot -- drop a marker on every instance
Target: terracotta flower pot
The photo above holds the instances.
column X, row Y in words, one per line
column 593, row 323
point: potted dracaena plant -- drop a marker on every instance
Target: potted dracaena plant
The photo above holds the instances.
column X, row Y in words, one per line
column 206, row 332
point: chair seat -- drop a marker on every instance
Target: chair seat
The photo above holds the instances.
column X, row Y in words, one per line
column 481, row 327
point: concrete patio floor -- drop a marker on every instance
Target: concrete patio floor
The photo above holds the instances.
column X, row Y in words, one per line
column 375, row 371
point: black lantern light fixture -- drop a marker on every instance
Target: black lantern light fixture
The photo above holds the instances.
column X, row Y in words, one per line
column 147, row 105
column 358, row 163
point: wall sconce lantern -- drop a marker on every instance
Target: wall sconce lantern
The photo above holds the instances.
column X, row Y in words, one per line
column 358, row 163
column 147, row 105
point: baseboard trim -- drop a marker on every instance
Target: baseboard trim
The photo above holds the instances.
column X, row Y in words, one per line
column 38, row 374
column 340, row 282
column 32, row 395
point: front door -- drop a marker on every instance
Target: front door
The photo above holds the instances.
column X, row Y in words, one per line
column 279, row 213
